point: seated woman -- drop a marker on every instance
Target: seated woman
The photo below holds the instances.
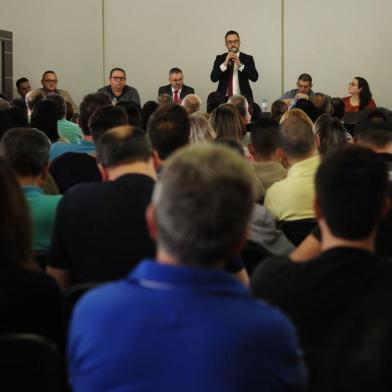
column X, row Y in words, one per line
column 30, row 301
column 360, row 96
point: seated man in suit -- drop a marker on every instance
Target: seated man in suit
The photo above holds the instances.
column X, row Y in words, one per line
column 176, row 87
column 233, row 69
column 180, row 322
column 351, row 200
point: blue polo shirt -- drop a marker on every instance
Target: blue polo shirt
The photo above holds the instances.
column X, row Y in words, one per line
column 59, row 148
column 171, row 328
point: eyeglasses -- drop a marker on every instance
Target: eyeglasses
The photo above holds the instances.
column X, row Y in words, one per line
column 235, row 42
column 351, row 84
column 118, row 78
column 50, row 80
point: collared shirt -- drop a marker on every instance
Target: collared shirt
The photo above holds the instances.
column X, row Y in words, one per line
column 292, row 197
column 69, row 130
column 170, row 328
column 236, row 85
column 292, row 93
column 57, row 149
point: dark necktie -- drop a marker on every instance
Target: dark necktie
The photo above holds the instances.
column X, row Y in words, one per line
column 176, row 98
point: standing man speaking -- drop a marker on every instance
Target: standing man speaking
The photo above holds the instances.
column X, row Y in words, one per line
column 233, row 70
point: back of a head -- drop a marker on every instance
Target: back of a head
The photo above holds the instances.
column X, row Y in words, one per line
column 61, row 106
column 26, row 150
column 134, row 112
column 296, row 138
column 147, row 110
column 265, row 136
column 351, row 186
column 322, row 102
column 331, row 133
column 32, row 98
column 17, row 117
column 123, row 145
column 164, row 99
column 90, row 103
column 371, row 118
column 191, row 103
column 15, row 225
column 308, row 107
column 168, row 129
column 201, row 130
column 105, row 118
column 226, row 121
column 44, row 118
column 338, row 107
column 214, row 99
column 205, row 190
column 278, row 108
column 241, row 104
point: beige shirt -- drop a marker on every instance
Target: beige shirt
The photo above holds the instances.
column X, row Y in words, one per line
column 65, row 94
column 292, row 198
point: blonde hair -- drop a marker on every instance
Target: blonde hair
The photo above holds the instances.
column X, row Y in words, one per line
column 201, row 130
column 296, row 113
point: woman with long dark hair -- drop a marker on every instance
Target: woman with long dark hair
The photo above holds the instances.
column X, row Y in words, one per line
column 360, row 96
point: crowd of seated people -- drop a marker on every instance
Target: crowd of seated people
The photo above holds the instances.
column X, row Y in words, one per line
column 176, row 221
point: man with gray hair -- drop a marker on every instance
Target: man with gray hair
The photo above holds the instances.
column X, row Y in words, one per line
column 181, row 314
column 191, row 103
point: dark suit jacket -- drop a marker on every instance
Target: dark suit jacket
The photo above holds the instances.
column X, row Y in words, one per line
column 249, row 73
column 184, row 91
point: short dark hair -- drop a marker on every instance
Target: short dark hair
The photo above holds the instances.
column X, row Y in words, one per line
column 44, row 118
column 175, row 70
column 61, row 106
column 169, row 129
column 296, row 137
column 117, row 69
column 241, row 103
column 20, row 81
column 105, row 118
column 26, row 150
column 231, row 32
column 338, row 107
column 278, row 108
column 308, row 107
column 147, row 110
column 265, row 136
column 305, row 77
column 133, row 111
column 322, row 102
column 378, row 136
column 32, row 98
column 351, row 185
column 47, row 72
column 121, row 145
column 90, row 103
column 214, row 99
column 370, row 118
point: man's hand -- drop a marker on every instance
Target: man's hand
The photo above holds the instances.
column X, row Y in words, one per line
column 231, row 56
column 301, row 95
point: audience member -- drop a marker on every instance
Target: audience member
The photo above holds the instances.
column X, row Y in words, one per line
column 291, row 198
column 278, row 108
column 318, row 294
column 49, row 85
column 118, row 90
column 323, row 103
column 307, row 107
column 185, row 297
column 338, row 108
column 27, row 151
column 168, row 130
column 163, row 99
column 226, row 122
column 296, row 113
column 73, row 168
column 214, row 99
column 191, row 103
column 241, row 103
column 67, row 129
column 360, row 96
column 265, row 149
column 176, row 87
column 147, row 110
column 31, row 301
column 23, row 87
column 201, row 130
column 330, row 132
column 134, row 113
column 32, row 98
column 100, row 229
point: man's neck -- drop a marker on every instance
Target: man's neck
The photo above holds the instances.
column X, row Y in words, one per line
column 330, row 241
column 30, row 181
column 292, row 161
column 162, row 257
column 145, row 168
column 117, row 93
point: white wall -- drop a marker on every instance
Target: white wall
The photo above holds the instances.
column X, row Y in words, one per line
column 334, row 41
column 337, row 40
column 65, row 36
column 149, row 37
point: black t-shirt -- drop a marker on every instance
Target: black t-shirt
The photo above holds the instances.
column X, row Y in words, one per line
column 100, row 230
column 317, row 294
column 74, row 168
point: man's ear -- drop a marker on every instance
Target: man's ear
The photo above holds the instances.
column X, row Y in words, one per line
column 151, row 221
column 157, row 161
column 386, row 207
column 317, row 140
column 44, row 173
column 104, row 172
column 282, row 157
column 252, row 149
